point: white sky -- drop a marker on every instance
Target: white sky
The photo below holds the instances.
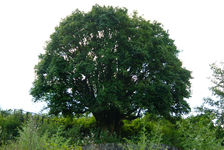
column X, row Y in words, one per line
column 197, row 26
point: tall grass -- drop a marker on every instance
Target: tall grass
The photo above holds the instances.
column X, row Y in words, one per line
column 31, row 139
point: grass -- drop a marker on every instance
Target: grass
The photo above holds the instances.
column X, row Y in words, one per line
column 31, row 139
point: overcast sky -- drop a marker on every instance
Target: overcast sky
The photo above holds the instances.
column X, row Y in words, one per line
column 197, row 26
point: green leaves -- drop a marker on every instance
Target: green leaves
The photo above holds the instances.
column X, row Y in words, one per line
column 198, row 133
column 111, row 63
column 215, row 104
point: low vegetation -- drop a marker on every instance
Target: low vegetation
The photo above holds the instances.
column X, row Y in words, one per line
column 26, row 131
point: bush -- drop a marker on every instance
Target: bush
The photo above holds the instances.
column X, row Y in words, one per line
column 146, row 140
column 10, row 123
column 31, row 139
column 198, row 133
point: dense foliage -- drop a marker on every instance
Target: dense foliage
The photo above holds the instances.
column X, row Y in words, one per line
column 112, row 65
column 10, row 122
column 50, row 132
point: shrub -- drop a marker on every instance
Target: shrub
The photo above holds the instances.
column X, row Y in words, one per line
column 198, row 133
column 10, row 123
column 31, row 139
column 146, row 140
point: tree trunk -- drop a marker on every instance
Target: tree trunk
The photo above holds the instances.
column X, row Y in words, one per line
column 109, row 120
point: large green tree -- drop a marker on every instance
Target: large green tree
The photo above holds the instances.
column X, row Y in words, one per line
column 113, row 65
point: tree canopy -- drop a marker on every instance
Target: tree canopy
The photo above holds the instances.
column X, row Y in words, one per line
column 111, row 64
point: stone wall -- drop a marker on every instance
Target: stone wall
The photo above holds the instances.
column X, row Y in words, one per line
column 112, row 146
